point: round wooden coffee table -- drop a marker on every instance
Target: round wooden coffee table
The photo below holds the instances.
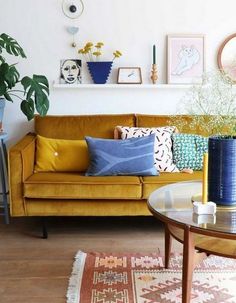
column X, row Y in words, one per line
column 172, row 204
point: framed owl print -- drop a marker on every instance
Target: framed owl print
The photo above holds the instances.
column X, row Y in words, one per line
column 185, row 59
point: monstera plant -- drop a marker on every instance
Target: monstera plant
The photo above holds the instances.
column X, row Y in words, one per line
column 32, row 91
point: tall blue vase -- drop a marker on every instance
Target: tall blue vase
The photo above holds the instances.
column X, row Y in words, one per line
column 100, row 71
column 222, row 170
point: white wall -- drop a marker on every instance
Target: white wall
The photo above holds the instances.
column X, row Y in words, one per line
column 131, row 26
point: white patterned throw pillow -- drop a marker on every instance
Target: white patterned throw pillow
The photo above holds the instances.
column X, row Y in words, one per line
column 163, row 157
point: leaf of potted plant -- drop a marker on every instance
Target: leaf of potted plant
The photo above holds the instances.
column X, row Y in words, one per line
column 34, row 96
column 99, row 70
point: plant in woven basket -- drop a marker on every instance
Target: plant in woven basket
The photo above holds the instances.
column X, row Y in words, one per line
column 35, row 92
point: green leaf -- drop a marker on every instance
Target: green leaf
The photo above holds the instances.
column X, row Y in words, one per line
column 9, row 76
column 4, row 68
column 38, row 86
column 26, row 82
column 8, row 97
column 27, row 107
column 3, row 88
column 37, row 89
column 3, row 71
column 42, row 105
column 11, row 46
column 2, row 60
column 12, row 76
column 43, row 81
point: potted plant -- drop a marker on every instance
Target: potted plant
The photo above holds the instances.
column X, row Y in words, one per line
column 99, row 70
column 212, row 106
column 32, row 91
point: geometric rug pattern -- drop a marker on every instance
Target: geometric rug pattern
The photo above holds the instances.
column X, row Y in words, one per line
column 141, row 278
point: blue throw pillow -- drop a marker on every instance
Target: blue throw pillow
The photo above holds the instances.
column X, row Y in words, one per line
column 133, row 156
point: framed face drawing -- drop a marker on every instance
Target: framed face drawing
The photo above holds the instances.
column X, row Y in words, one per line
column 185, row 59
column 70, row 72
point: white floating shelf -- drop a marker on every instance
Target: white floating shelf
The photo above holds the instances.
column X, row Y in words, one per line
column 122, row 86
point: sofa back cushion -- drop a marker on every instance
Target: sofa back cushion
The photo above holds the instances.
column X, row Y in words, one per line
column 77, row 127
column 164, row 120
column 61, row 155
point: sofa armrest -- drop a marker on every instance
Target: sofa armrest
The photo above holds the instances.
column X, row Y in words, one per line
column 21, row 159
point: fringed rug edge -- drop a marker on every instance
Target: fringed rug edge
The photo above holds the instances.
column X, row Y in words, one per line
column 73, row 292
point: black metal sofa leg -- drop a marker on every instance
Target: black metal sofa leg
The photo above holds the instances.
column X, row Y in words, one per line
column 44, row 228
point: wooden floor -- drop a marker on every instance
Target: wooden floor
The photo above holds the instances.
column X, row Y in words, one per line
column 34, row 270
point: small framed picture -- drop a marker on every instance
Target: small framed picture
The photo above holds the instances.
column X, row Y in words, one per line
column 70, row 71
column 129, row 75
column 185, row 58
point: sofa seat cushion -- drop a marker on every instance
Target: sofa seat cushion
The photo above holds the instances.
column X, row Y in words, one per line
column 150, row 183
column 86, row 207
column 77, row 186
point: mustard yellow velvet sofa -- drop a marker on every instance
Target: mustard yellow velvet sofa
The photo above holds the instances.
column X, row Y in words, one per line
column 72, row 193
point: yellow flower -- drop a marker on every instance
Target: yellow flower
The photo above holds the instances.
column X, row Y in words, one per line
column 117, row 54
column 89, row 44
column 91, row 51
column 81, row 51
column 97, row 54
column 99, row 45
column 86, row 50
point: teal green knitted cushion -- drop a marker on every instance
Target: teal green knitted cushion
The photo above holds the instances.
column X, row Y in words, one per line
column 188, row 150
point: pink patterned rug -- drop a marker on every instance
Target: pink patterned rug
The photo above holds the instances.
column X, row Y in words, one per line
column 141, row 278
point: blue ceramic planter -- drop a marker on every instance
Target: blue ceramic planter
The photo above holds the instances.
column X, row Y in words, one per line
column 2, row 106
column 100, row 71
column 222, row 170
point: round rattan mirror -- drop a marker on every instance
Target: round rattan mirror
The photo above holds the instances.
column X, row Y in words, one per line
column 227, row 57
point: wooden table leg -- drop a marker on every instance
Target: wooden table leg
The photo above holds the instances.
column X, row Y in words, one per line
column 188, row 265
column 168, row 241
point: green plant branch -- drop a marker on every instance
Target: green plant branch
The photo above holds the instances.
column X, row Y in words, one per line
column 17, row 90
column 15, row 96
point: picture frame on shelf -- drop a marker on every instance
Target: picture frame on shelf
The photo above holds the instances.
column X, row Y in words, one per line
column 129, row 75
column 70, row 71
column 185, row 58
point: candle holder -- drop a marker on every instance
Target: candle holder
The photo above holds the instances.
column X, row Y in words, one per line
column 204, row 207
column 154, row 75
column 201, row 208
